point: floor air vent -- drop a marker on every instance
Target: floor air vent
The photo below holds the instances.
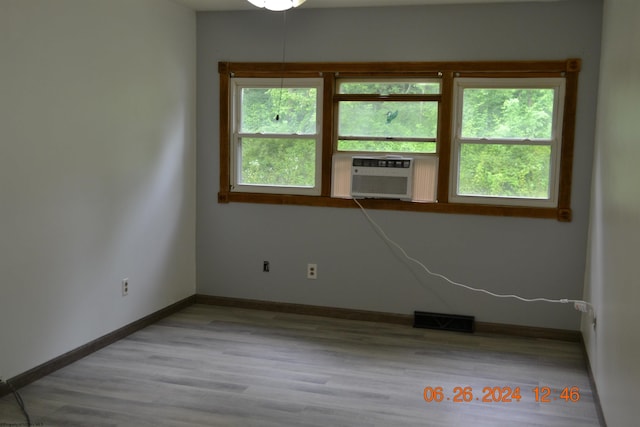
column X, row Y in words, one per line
column 445, row 322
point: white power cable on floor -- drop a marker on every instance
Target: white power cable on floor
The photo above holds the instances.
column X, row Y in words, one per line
column 579, row 304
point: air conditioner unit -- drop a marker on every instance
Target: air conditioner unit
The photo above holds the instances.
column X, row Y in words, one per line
column 386, row 177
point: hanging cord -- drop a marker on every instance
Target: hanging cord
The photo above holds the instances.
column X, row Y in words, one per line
column 461, row 285
column 284, row 50
column 20, row 402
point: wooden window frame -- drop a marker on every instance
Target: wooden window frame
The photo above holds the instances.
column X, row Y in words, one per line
column 569, row 69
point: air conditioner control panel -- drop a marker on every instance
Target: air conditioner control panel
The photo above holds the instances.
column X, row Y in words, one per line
column 372, row 162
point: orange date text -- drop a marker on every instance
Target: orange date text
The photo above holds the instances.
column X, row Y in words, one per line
column 466, row 394
column 497, row 394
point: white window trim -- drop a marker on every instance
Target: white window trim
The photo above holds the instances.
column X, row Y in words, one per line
column 556, row 83
column 237, row 84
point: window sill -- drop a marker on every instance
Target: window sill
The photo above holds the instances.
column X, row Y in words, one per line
column 563, row 215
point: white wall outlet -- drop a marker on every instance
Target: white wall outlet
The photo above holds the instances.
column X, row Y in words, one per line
column 125, row 287
column 585, row 307
column 312, row 271
column 580, row 306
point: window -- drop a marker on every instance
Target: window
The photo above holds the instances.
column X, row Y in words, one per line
column 388, row 117
column 392, row 116
column 506, row 142
column 276, row 136
column 492, row 138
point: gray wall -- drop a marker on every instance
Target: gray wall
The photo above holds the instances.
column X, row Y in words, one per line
column 97, row 159
column 530, row 257
column 612, row 269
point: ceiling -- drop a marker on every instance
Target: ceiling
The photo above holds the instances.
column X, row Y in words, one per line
column 213, row 5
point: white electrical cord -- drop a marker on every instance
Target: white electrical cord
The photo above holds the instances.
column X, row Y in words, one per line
column 578, row 304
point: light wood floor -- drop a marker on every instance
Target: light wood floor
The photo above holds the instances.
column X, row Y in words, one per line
column 218, row 366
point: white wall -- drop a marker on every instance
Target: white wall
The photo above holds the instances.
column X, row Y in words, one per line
column 612, row 272
column 97, row 181
column 531, row 257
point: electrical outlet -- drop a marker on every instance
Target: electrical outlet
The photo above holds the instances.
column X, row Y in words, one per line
column 265, row 266
column 125, row 287
column 585, row 307
column 580, row 306
column 312, row 271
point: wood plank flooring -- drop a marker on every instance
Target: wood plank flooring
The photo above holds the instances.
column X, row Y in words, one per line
column 222, row 366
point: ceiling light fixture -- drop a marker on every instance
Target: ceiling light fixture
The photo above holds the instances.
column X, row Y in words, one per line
column 277, row 5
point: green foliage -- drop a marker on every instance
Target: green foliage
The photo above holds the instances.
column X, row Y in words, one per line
column 279, row 110
column 278, row 161
column 514, row 169
column 504, row 170
column 388, row 119
column 281, row 162
column 507, row 113
column 390, row 88
column 387, row 146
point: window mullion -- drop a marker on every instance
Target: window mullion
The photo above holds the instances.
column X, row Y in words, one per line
column 278, row 135
column 385, row 138
column 445, row 134
column 499, row 141
column 379, row 97
column 327, row 144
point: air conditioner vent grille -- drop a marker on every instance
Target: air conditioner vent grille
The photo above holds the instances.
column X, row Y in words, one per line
column 390, row 185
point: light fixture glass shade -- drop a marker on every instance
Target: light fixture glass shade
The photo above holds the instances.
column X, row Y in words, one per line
column 277, row 5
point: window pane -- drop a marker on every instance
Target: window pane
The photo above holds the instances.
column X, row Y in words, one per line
column 282, row 162
column 387, row 146
column 388, row 119
column 390, row 88
column 275, row 110
column 508, row 113
column 503, row 170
